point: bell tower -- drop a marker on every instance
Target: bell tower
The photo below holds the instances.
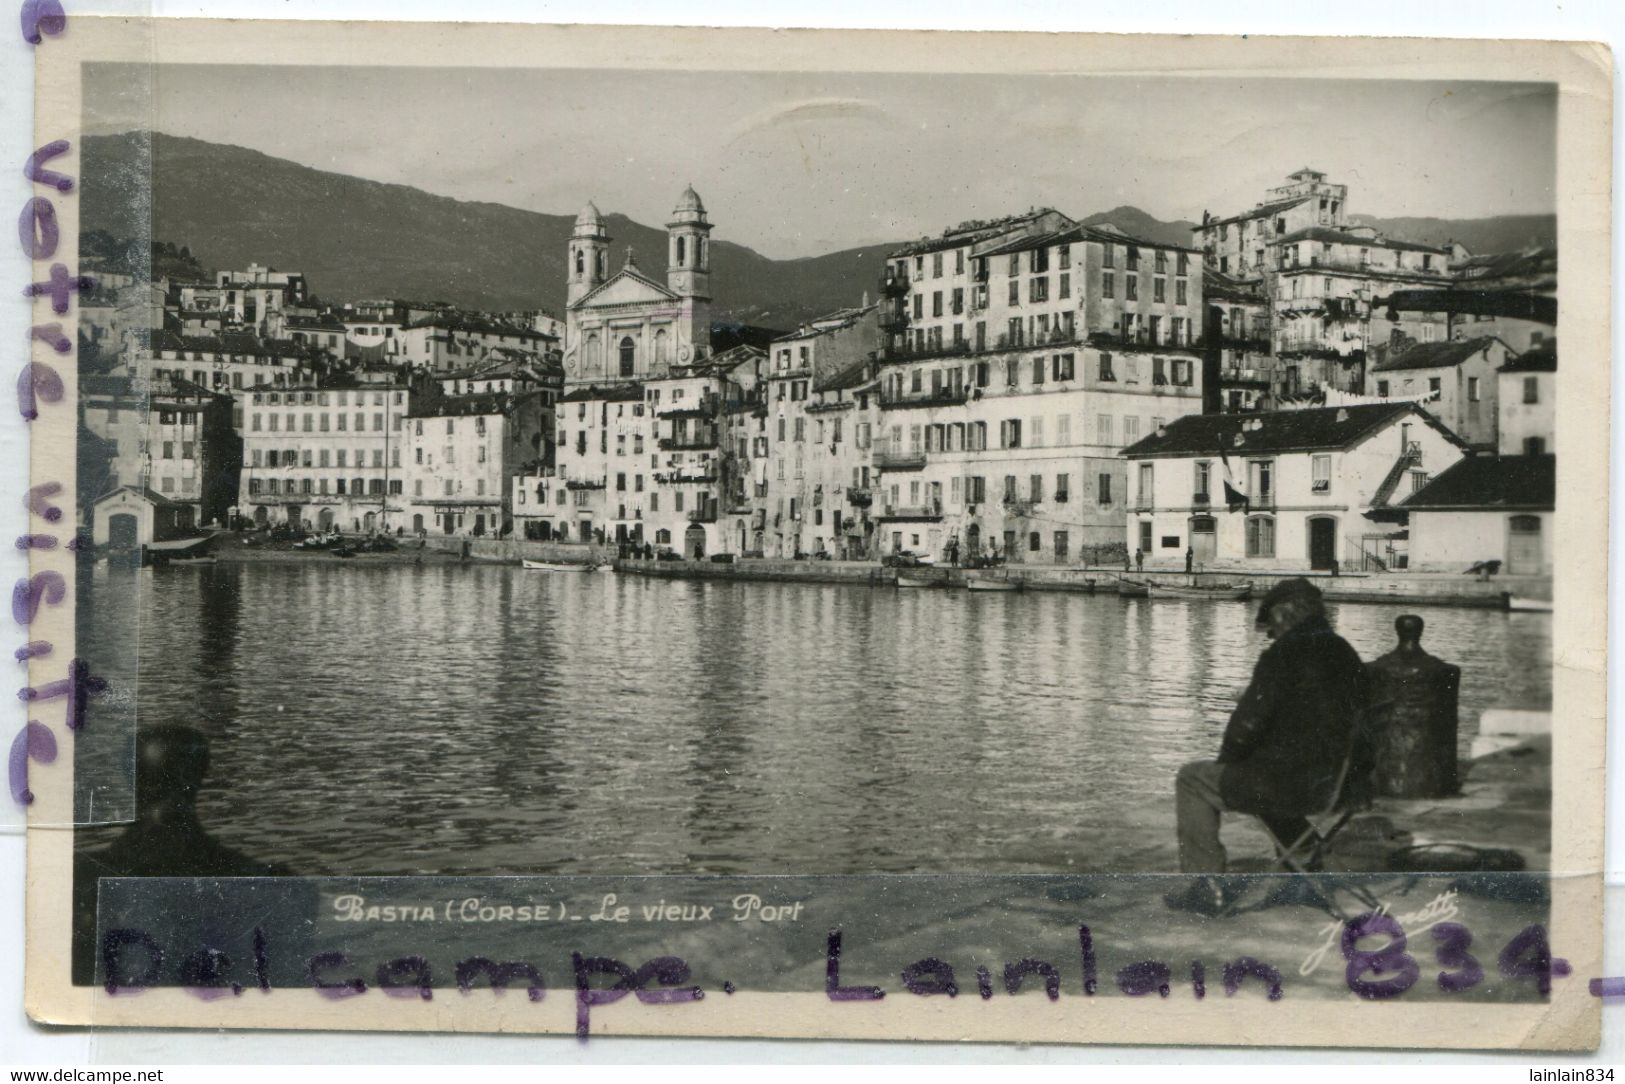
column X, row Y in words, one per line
column 688, row 261
column 589, row 253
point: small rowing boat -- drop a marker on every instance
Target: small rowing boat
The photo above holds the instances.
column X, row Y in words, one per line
column 550, row 566
column 916, row 578
column 1524, row 604
column 1220, row 591
column 1131, row 589
column 990, row 582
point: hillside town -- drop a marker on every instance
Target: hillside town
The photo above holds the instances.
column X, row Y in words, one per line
column 1290, row 391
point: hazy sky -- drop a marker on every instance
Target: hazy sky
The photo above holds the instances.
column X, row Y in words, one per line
column 798, row 164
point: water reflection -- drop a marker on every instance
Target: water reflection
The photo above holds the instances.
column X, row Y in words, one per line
column 462, row 719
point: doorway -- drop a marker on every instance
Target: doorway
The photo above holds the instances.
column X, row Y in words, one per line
column 694, row 541
column 1322, row 542
column 1204, row 540
column 1525, row 554
column 123, row 531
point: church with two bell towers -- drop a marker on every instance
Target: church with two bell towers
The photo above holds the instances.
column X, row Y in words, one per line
column 627, row 326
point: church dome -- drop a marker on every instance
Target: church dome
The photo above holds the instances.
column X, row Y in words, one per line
column 689, row 202
column 590, row 215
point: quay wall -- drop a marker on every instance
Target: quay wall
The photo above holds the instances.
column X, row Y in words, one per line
column 1419, row 589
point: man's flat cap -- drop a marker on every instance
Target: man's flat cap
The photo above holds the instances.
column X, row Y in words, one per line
column 1295, row 588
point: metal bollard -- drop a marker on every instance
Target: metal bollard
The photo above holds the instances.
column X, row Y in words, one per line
column 1414, row 718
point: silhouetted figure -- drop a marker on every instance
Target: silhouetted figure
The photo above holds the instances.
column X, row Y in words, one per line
column 1139, row 560
column 1413, row 718
column 166, row 839
column 1190, row 559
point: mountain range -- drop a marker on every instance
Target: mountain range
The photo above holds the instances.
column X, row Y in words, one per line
column 355, row 238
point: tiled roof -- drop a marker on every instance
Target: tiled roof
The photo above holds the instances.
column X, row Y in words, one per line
column 968, row 233
column 462, row 406
column 1326, row 233
column 1435, row 355
column 850, row 377
column 1542, row 359
column 605, row 393
column 1491, row 482
column 1536, row 262
column 1257, row 212
column 1319, row 428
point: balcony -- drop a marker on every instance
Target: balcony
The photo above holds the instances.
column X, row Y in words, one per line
column 1245, row 376
column 1201, row 499
column 859, row 497
column 927, row 511
column 1020, row 507
column 678, row 477
column 1139, row 337
column 688, row 442
column 892, row 319
column 899, row 460
column 708, row 514
column 937, row 397
column 894, row 283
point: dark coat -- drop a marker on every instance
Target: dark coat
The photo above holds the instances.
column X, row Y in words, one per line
column 1301, row 717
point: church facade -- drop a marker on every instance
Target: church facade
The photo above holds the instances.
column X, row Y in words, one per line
column 639, row 457
column 627, row 325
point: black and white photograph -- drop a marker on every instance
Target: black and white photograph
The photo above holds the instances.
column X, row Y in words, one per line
column 1014, row 534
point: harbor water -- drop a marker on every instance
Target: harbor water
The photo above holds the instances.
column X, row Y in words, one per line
column 476, row 719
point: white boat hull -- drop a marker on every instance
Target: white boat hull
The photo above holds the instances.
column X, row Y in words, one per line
column 1529, row 605
column 547, row 566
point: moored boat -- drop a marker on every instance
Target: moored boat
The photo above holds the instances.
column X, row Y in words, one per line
column 919, row 578
column 1525, row 604
column 1131, row 589
column 1219, row 591
column 551, row 566
column 986, row 581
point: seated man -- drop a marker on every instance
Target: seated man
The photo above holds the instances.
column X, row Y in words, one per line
column 1299, row 720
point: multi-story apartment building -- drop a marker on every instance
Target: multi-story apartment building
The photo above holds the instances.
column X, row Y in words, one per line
column 1000, row 436
column 446, row 342
column 1240, row 373
column 230, row 363
column 463, row 454
column 1321, row 275
column 327, row 458
column 814, row 462
column 1455, row 381
column 596, row 428
column 165, row 434
column 1238, row 245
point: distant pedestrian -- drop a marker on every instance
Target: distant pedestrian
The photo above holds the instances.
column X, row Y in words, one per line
column 1190, row 559
column 1139, row 560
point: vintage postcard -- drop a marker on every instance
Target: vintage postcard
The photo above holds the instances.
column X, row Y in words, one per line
column 1041, row 538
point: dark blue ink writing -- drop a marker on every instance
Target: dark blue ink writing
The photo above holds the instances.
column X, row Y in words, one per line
column 1145, row 977
column 113, row 946
column 33, row 650
column 79, row 686
column 37, row 382
column 1391, row 959
column 51, row 335
column 406, row 976
column 38, row 499
column 1086, row 945
column 59, row 287
column 1237, row 970
column 37, row 230
column 832, row 976
column 929, row 977
column 33, row 742
column 1529, row 956
column 42, row 17
column 666, row 970
column 344, row 987
column 48, row 587
column 34, row 169
column 499, row 975
column 1454, row 940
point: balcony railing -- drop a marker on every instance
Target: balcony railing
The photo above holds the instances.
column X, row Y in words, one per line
column 859, row 496
column 688, row 442
column 1019, row 506
column 1201, row 499
column 893, row 319
column 708, row 514
column 936, row 397
column 1244, row 376
column 929, row 510
column 900, row 460
column 1139, row 337
column 894, row 283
